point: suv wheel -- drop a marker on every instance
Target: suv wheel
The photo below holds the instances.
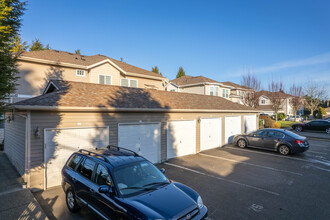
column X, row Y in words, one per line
column 327, row 130
column 71, row 201
column 284, row 150
column 298, row 129
column 241, row 143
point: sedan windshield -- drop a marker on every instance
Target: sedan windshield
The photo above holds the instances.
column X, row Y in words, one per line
column 138, row 177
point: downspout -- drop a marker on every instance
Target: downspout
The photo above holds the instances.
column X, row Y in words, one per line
column 27, row 148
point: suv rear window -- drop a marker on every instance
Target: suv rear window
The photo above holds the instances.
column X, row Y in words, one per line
column 74, row 161
column 86, row 168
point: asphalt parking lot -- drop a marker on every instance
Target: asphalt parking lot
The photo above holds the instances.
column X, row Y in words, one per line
column 254, row 184
column 241, row 184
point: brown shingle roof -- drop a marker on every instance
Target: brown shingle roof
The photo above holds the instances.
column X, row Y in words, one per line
column 185, row 80
column 77, row 94
column 268, row 94
column 235, row 85
column 66, row 57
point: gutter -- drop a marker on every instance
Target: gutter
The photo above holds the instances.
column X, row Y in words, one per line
column 110, row 109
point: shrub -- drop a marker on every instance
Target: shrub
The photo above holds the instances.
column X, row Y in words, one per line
column 277, row 125
column 281, row 116
column 269, row 123
column 321, row 112
column 261, row 123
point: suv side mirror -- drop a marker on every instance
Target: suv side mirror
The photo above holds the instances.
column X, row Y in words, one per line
column 162, row 170
column 105, row 189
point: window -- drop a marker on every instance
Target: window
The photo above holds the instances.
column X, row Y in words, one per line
column 259, row 133
column 86, row 168
column 225, row 93
column 241, row 93
column 105, row 80
column 211, row 90
column 263, row 101
column 216, row 91
column 129, row 82
column 74, row 161
column 2, row 120
column 275, row 134
column 102, row 176
column 80, row 72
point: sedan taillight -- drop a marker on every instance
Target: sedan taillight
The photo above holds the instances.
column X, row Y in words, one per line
column 299, row 141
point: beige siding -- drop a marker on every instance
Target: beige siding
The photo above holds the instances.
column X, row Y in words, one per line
column 15, row 142
column 44, row 120
column 105, row 69
column 194, row 89
column 34, row 76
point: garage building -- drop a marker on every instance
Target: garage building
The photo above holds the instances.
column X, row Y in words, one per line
column 43, row 131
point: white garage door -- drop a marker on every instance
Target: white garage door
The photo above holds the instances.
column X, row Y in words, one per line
column 250, row 123
column 181, row 138
column 232, row 127
column 61, row 143
column 144, row 139
column 210, row 133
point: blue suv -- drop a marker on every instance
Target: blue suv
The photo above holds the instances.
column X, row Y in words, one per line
column 117, row 183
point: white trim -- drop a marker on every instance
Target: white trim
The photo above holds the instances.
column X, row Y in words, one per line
column 106, row 61
column 47, row 87
column 101, row 109
column 68, row 128
column 104, row 79
column 141, row 75
column 228, row 90
column 77, row 66
column 84, row 71
column 206, row 83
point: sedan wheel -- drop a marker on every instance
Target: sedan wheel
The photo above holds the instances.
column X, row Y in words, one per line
column 298, row 129
column 284, row 150
column 327, row 130
column 241, row 143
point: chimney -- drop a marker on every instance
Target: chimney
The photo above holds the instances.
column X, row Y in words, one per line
column 121, row 59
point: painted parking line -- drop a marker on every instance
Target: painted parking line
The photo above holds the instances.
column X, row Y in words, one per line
column 316, row 152
column 269, row 154
column 251, row 164
column 223, row 179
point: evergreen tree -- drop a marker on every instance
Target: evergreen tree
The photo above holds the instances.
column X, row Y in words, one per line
column 77, row 52
column 10, row 23
column 156, row 70
column 18, row 45
column 37, row 45
column 181, row 72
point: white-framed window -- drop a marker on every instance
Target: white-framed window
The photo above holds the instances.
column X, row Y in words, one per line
column 216, row 91
column 263, row 101
column 104, row 79
column 129, row 82
column 225, row 93
column 241, row 93
column 211, row 90
column 80, row 72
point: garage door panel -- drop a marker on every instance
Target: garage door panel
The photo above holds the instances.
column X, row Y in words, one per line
column 232, row 128
column 143, row 139
column 210, row 133
column 181, row 138
column 250, row 123
column 61, row 143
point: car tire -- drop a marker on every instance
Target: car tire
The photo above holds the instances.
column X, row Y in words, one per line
column 327, row 130
column 71, row 201
column 298, row 129
column 284, row 150
column 241, row 143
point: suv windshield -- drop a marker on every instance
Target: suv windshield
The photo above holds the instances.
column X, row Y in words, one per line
column 138, row 177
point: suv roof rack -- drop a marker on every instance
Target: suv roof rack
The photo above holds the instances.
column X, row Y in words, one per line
column 94, row 154
column 121, row 148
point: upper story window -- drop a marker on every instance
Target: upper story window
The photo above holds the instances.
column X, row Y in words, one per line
column 129, row 82
column 104, row 79
column 211, row 90
column 225, row 93
column 216, row 91
column 80, row 72
column 241, row 93
column 263, row 101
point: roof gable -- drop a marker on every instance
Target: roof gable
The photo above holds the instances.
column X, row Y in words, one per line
column 186, row 80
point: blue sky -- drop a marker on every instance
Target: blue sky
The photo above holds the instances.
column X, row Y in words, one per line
column 287, row 40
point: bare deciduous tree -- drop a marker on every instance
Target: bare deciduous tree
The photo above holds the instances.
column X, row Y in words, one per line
column 314, row 94
column 297, row 100
column 276, row 95
column 250, row 97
